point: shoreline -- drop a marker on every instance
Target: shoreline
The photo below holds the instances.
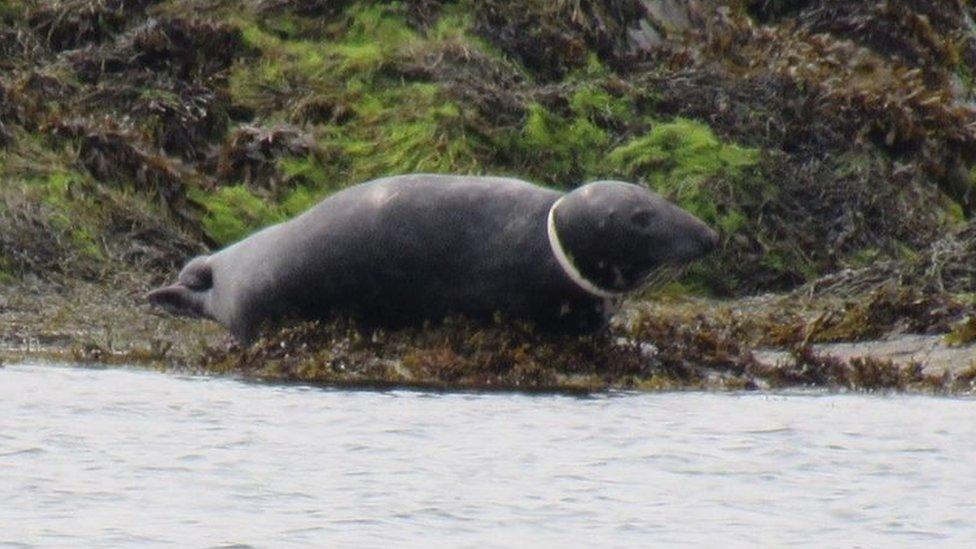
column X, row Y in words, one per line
column 81, row 322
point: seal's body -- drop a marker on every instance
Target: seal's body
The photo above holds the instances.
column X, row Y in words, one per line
column 409, row 248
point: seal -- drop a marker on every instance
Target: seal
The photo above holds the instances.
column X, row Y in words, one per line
column 411, row 248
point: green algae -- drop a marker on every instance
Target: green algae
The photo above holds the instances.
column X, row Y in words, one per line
column 371, row 38
column 677, row 158
column 381, row 93
column 566, row 149
column 233, row 212
column 389, row 138
column 562, row 151
column 595, row 103
column 310, row 179
column 298, row 200
column 71, row 211
column 390, row 125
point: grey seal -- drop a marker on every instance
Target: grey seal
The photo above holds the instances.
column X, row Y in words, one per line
column 410, row 248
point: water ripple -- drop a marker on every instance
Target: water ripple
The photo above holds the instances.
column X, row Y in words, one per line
column 121, row 457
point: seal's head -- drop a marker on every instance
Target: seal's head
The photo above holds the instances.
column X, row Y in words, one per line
column 616, row 235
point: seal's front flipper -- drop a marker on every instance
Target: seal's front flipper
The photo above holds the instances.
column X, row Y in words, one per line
column 179, row 300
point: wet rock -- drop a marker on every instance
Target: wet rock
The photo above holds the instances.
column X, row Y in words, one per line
column 456, row 353
column 898, row 353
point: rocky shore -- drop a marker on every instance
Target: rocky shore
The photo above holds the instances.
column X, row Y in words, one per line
column 668, row 343
column 832, row 144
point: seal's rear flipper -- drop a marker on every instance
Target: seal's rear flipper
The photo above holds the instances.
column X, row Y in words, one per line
column 178, row 300
column 197, row 275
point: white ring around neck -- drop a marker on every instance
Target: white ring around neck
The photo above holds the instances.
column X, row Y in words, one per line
column 571, row 271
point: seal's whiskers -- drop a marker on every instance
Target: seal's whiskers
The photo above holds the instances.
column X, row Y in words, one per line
column 660, row 277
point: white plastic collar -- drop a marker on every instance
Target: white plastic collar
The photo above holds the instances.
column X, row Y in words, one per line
column 571, row 271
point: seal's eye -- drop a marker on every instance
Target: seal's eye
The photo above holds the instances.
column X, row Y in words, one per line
column 641, row 218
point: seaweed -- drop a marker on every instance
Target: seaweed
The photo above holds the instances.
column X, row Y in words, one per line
column 68, row 24
column 113, row 155
column 232, row 213
column 185, row 49
column 859, row 373
column 251, row 154
column 831, row 143
column 456, row 353
column 553, row 39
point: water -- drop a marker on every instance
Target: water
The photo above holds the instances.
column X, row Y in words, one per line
column 92, row 457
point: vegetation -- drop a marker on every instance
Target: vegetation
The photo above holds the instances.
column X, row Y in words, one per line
column 833, row 145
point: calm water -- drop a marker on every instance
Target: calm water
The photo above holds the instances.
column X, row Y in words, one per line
column 93, row 458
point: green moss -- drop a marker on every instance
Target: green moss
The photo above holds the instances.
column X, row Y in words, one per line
column 593, row 69
column 287, row 25
column 70, row 209
column 299, row 199
column 396, row 125
column 304, row 170
column 569, row 148
column 864, row 258
column 562, row 146
column 557, row 149
column 409, row 128
column 455, row 24
column 283, row 64
column 233, row 212
column 391, row 125
column 955, row 213
column 61, row 191
column 592, row 101
column 371, row 37
column 55, row 186
column 376, row 35
column 787, row 261
column 972, row 182
column 83, row 240
column 678, row 158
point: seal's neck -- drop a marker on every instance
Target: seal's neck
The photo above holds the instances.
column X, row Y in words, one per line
column 567, row 264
